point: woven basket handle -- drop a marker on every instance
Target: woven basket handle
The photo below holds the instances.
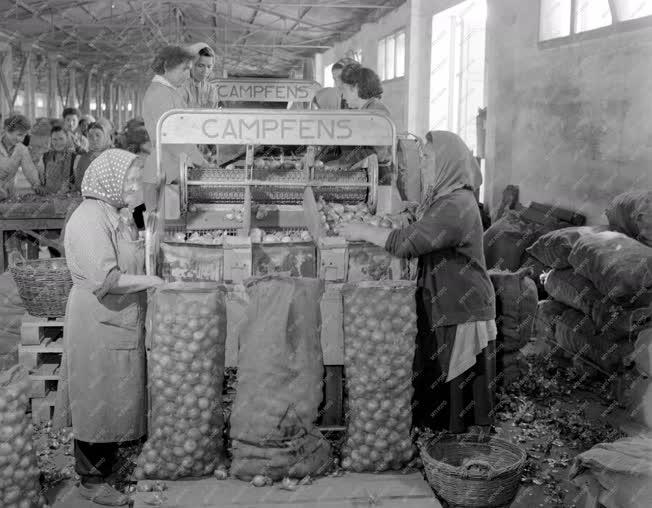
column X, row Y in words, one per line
column 482, row 464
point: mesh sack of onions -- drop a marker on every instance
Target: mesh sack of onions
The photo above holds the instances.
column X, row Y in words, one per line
column 379, row 342
column 186, row 339
column 19, row 473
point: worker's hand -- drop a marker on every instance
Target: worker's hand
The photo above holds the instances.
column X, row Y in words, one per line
column 353, row 231
column 39, row 190
column 21, row 150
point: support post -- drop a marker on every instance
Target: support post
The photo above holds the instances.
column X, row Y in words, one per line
column 318, row 65
column 72, row 99
column 53, row 86
column 86, row 98
column 110, row 103
column 416, row 120
column 30, row 89
column 7, row 89
column 308, row 68
column 120, row 106
column 99, row 95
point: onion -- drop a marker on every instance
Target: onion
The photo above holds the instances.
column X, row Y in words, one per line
column 259, row 481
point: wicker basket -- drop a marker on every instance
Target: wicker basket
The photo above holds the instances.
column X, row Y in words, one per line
column 473, row 471
column 43, row 285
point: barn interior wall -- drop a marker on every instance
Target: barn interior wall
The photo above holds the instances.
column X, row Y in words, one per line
column 407, row 97
column 569, row 124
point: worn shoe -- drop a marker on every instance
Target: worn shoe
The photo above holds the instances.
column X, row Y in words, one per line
column 104, row 494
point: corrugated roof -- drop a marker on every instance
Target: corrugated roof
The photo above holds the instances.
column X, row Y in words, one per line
column 120, row 37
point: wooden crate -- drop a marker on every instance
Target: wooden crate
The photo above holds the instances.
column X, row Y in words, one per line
column 332, row 343
column 44, row 378
column 34, row 330
column 43, row 407
column 31, row 357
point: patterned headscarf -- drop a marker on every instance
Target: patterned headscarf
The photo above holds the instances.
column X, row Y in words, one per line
column 105, row 176
column 454, row 168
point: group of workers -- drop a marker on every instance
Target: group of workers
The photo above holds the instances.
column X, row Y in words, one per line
column 57, row 166
column 102, row 392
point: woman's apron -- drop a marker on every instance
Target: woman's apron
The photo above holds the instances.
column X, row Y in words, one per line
column 104, row 345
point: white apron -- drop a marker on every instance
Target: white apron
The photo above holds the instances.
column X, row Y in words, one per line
column 105, row 359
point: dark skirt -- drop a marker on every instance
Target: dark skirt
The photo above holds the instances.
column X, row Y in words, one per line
column 464, row 401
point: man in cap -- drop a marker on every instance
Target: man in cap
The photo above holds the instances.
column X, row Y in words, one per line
column 198, row 92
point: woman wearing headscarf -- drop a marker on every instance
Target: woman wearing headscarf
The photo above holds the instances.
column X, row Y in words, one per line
column 99, row 140
column 104, row 326
column 454, row 365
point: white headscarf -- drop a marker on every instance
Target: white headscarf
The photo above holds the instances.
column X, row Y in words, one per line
column 104, row 178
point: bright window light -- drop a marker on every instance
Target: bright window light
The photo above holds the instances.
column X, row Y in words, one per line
column 591, row 14
column 633, row 9
column 555, row 19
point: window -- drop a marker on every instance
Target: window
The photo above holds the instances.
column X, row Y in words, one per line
column 566, row 18
column 328, row 76
column 457, row 69
column 632, row 9
column 391, row 56
column 591, row 14
column 555, row 19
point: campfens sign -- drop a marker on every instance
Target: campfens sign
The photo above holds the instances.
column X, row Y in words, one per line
column 265, row 127
column 266, row 90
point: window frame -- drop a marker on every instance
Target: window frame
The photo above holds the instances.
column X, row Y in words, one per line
column 617, row 26
column 394, row 35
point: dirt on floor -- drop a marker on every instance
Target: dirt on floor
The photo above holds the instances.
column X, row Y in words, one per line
column 554, row 413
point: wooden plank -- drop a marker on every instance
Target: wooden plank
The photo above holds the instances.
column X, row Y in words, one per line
column 42, row 408
column 332, row 333
column 332, row 410
column 45, row 372
column 350, row 490
column 52, row 347
column 33, row 330
column 41, row 387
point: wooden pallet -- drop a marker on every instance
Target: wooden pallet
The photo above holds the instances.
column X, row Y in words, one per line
column 31, row 357
column 349, row 491
column 44, row 378
column 34, row 331
column 40, row 350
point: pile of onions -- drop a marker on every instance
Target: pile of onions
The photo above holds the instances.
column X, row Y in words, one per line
column 379, row 340
column 19, row 473
column 186, row 371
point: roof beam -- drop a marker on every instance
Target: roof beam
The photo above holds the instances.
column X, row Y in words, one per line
column 328, row 5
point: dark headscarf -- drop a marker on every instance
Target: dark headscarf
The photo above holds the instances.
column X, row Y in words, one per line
column 454, row 168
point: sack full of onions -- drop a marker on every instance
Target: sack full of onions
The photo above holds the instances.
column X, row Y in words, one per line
column 280, row 374
column 379, row 340
column 186, row 334
column 19, row 473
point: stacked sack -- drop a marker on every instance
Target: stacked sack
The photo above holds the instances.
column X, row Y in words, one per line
column 599, row 284
column 506, row 241
column 516, row 307
column 631, row 214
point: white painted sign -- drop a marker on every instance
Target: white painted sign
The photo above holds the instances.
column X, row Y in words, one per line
column 266, row 90
column 270, row 127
